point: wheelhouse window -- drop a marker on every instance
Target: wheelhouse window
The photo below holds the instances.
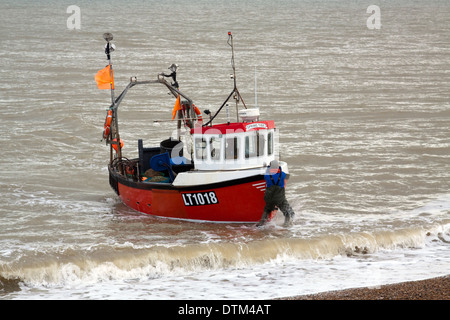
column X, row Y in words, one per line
column 261, row 144
column 231, row 148
column 200, row 148
column 215, row 144
column 254, row 145
column 270, row 143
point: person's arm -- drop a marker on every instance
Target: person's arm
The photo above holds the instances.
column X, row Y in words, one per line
column 285, row 180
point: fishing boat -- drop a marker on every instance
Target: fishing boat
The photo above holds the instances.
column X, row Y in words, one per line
column 214, row 172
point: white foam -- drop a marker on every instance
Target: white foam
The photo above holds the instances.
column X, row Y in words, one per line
column 216, row 271
column 281, row 277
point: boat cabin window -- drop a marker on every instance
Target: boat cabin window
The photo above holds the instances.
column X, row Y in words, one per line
column 254, row 145
column 215, row 146
column 231, row 148
column 261, row 144
column 235, row 150
column 200, row 148
column 270, row 143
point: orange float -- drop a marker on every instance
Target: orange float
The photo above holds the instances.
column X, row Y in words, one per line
column 114, row 144
column 107, row 126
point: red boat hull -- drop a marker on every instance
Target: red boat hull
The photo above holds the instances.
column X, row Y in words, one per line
column 233, row 201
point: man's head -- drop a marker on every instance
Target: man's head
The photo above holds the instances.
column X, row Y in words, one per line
column 173, row 67
column 274, row 166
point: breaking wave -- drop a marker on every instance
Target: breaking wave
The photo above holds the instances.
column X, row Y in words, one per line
column 71, row 266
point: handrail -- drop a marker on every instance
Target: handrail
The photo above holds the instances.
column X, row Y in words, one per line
column 133, row 82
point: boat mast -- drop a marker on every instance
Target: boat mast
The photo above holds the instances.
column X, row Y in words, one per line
column 108, row 49
column 256, row 91
column 236, row 95
column 115, row 137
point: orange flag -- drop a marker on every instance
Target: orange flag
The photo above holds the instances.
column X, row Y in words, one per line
column 176, row 107
column 105, row 78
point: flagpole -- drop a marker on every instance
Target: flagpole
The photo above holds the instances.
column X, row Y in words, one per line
column 108, row 49
column 114, row 132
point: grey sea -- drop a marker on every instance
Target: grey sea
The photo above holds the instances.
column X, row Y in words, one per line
column 359, row 91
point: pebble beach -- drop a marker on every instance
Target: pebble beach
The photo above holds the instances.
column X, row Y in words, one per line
column 428, row 289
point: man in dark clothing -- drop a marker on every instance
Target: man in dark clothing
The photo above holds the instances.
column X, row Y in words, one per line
column 173, row 68
column 274, row 195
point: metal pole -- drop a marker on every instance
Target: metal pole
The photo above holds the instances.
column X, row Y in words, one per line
column 232, row 57
column 236, row 96
column 256, row 91
column 108, row 49
column 114, row 133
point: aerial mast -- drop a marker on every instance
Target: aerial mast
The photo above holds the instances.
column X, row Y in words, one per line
column 236, row 92
column 256, row 91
